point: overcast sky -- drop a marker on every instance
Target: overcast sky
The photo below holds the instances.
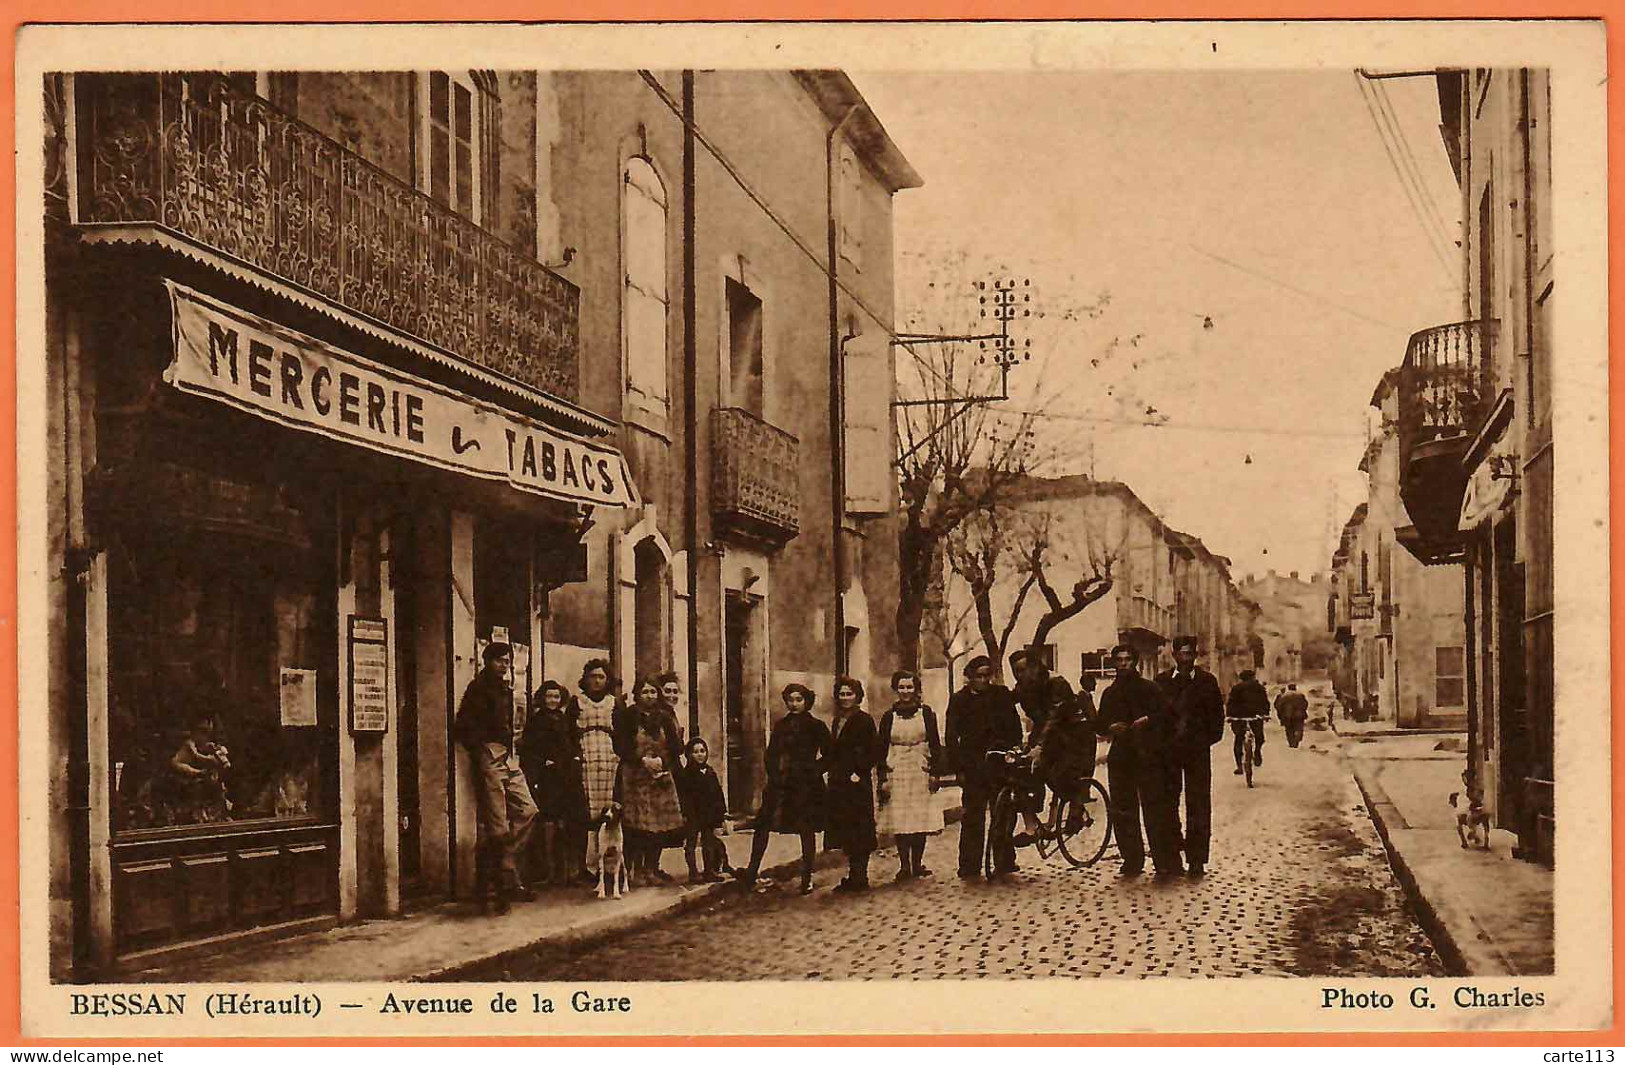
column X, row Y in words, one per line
column 1264, row 201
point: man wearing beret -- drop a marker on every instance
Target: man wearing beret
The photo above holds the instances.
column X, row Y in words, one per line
column 506, row 810
column 1195, row 723
column 981, row 718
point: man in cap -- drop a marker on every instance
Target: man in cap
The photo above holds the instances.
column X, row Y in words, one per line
column 981, row 718
column 505, row 809
column 1292, row 708
column 1195, row 723
column 1131, row 709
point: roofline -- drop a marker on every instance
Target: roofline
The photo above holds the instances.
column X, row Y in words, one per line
column 835, row 94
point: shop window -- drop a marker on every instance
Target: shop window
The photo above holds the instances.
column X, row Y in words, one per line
column 644, row 302
column 449, row 125
column 223, row 668
column 1450, row 677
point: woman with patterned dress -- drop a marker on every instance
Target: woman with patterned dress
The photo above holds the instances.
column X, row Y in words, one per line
column 794, row 799
column 599, row 718
column 651, row 811
column 910, row 746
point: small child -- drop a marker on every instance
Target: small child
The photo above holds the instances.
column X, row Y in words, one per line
column 704, row 810
column 197, row 768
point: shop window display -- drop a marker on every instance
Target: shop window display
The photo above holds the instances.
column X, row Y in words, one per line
column 221, row 645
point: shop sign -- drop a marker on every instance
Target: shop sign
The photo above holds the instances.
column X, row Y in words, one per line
column 369, row 674
column 1363, row 606
column 296, row 380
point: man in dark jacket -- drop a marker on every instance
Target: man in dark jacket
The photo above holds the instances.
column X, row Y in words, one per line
column 506, row 810
column 1249, row 703
column 981, row 718
column 1131, row 710
column 1293, row 710
column 1195, row 724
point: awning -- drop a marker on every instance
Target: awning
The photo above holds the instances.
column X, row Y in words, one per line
column 284, row 376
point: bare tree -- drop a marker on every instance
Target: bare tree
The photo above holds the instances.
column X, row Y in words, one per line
column 989, row 546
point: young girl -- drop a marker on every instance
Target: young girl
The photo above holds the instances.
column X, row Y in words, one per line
column 704, row 810
column 793, row 801
column 909, row 747
column 550, row 755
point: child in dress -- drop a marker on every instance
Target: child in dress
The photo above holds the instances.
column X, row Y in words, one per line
column 704, row 810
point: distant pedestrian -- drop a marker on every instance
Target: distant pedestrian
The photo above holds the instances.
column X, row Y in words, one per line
column 910, row 750
column 505, row 809
column 854, row 749
column 794, row 800
column 550, row 755
column 601, row 723
column 1292, row 708
column 981, row 718
column 652, row 814
column 1131, row 708
column 1195, row 723
column 704, row 811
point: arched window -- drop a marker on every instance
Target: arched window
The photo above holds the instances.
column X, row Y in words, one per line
column 644, row 302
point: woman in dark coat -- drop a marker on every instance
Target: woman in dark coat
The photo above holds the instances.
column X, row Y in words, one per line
column 651, row 812
column 794, row 799
column 854, row 748
column 550, row 755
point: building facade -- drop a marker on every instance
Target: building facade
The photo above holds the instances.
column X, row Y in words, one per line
column 1475, row 440
column 351, row 374
column 1292, row 641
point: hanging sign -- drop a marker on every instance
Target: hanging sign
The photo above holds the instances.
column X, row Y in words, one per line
column 369, row 675
column 287, row 377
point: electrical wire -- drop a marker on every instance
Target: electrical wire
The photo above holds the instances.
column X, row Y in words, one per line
column 1189, row 427
column 1385, row 104
column 1404, row 184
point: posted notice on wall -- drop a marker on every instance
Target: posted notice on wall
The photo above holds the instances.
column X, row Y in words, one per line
column 369, row 675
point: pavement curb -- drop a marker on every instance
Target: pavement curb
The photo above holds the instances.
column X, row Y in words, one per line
column 615, row 925
column 1383, row 812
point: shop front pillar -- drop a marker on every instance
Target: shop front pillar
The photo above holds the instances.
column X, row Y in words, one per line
column 463, row 654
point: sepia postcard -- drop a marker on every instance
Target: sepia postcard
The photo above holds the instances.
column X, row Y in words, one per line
column 714, row 529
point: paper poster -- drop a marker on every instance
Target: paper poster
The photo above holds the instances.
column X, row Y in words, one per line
column 369, row 675
column 298, row 697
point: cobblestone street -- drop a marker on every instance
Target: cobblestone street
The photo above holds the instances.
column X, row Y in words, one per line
column 1298, row 885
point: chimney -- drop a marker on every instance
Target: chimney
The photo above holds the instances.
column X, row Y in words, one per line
column 1272, row 574
column 1294, row 574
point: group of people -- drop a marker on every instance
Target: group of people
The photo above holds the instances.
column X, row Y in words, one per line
column 580, row 759
column 584, row 758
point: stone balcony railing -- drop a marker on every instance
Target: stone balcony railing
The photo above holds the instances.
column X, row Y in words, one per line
column 755, row 489
column 228, row 171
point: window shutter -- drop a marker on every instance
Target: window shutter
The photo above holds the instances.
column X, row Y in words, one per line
column 644, row 298
column 870, row 482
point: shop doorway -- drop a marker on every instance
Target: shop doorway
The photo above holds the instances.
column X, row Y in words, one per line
column 651, row 640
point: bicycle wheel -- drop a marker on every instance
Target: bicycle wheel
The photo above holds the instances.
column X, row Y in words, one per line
column 1249, row 750
column 1001, row 821
column 1085, row 826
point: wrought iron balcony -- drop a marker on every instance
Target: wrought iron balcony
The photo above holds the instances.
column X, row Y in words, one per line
column 191, row 154
column 756, row 492
column 1444, row 393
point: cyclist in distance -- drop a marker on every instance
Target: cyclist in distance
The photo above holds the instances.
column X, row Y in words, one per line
column 1248, row 706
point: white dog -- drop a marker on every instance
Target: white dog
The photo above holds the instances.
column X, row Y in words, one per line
column 613, row 879
column 1473, row 822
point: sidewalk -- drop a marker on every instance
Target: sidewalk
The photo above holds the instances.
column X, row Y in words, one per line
column 1488, row 913
column 439, row 941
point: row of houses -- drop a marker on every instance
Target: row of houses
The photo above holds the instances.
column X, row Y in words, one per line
column 1459, row 520
column 1163, row 583
column 353, row 373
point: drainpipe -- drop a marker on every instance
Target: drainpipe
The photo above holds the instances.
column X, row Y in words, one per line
column 837, row 401
column 691, row 412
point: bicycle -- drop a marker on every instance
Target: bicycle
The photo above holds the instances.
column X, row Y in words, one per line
column 1249, row 745
column 1078, row 827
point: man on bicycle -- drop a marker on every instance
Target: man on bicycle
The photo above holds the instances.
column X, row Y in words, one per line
column 1063, row 737
column 1248, row 706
